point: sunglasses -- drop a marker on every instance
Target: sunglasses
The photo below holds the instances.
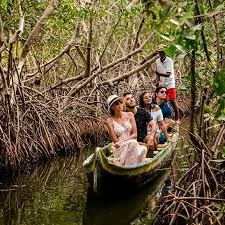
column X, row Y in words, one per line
column 117, row 102
column 163, row 92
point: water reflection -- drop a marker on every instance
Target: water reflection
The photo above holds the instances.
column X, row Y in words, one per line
column 122, row 210
column 54, row 193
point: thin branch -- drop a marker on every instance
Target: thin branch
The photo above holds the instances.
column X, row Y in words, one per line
column 128, row 74
column 33, row 35
column 75, row 89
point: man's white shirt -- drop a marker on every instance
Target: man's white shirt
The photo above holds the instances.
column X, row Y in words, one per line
column 163, row 67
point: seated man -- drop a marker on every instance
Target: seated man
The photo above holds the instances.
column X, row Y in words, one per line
column 160, row 99
column 143, row 119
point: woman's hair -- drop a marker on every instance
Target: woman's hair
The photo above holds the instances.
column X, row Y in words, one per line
column 111, row 112
column 157, row 90
column 141, row 99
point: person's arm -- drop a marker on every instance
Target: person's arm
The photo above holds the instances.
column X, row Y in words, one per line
column 167, row 74
column 162, row 124
column 163, row 128
column 167, row 122
column 153, row 126
column 111, row 130
column 134, row 127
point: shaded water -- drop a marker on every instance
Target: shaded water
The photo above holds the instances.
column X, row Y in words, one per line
column 53, row 193
column 56, row 193
column 123, row 210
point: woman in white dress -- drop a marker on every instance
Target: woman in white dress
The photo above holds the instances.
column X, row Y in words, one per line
column 123, row 132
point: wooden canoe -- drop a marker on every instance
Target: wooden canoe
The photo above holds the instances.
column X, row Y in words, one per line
column 123, row 210
column 104, row 176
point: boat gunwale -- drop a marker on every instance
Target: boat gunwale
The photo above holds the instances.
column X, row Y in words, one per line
column 147, row 166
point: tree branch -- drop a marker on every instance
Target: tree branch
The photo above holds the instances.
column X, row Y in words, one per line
column 65, row 50
column 75, row 88
column 33, row 35
column 128, row 74
column 1, row 36
column 30, row 40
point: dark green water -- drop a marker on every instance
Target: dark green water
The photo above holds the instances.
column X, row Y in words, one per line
column 56, row 193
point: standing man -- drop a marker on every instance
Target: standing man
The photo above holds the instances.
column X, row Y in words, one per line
column 143, row 119
column 165, row 76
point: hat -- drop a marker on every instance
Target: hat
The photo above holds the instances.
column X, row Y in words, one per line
column 111, row 100
column 161, row 48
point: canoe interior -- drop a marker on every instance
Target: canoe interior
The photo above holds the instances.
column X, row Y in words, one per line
column 102, row 172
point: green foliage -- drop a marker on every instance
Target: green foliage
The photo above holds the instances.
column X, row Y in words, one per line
column 221, row 109
column 219, row 82
column 219, row 88
column 183, row 34
column 6, row 6
column 223, row 151
column 220, row 208
column 170, row 50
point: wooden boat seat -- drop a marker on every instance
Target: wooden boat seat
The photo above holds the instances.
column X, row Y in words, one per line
column 161, row 145
column 110, row 158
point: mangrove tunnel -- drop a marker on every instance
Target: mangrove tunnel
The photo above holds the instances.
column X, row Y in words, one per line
column 59, row 62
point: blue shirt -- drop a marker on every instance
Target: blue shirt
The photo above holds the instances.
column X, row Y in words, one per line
column 166, row 110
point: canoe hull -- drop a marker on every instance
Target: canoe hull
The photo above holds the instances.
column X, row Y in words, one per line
column 108, row 183
column 106, row 177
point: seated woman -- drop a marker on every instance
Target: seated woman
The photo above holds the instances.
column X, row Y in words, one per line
column 161, row 100
column 123, row 132
column 156, row 114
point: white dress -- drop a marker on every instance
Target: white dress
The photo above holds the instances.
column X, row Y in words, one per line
column 130, row 153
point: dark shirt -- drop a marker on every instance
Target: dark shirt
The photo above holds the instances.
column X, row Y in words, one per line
column 166, row 110
column 142, row 118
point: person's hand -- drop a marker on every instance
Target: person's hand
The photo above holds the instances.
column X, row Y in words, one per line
column 117, row 144
column 150, row 143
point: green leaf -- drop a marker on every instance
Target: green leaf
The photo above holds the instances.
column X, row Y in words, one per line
column 174, row 22
column 216, row 205
column 221, row 107
column 191, row 37
column 181, row 48
column 170, row 50
column 197, row 27
column 223, row 151
column 221, row 118
column 181, row 57
column 208, row 109
column 165, row 37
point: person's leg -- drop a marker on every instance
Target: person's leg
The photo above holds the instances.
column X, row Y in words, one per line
column 175, row 108
column 162, row 138
column 151, row 147
column 171, row 95
column 157, row 138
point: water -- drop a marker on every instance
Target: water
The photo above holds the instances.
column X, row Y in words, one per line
column 53, row 193
column 56, row 193
column 125, row 209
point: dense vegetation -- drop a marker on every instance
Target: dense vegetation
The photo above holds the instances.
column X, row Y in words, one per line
column 59, row 60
